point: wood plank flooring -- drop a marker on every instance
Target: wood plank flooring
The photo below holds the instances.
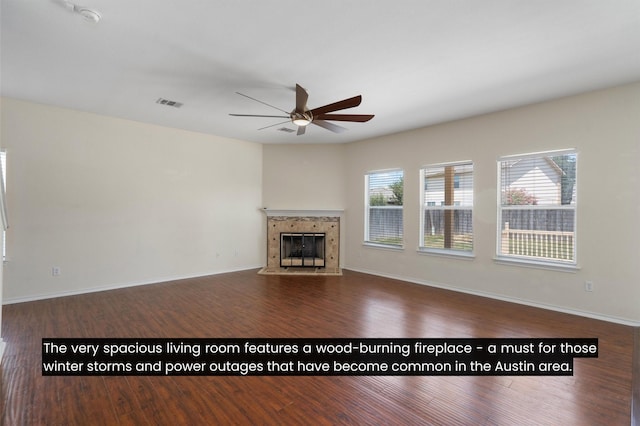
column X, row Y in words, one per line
column 245, row 304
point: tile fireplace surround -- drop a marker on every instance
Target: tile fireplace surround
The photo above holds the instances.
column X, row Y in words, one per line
column 303, row 221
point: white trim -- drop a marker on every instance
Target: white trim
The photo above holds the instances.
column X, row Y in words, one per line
column 551, row 153
column 108, row 287
column 393, row 247
column 302, row 213
column 448, row 163
column 365, row 231
column 539, row 207
column 587, row 314
column 393, row 169
column 531, row 263
column 456, row 254
column 3, row 203
column 460, row 207
column 3, row 345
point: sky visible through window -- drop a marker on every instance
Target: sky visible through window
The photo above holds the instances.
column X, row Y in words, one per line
column 381, row 180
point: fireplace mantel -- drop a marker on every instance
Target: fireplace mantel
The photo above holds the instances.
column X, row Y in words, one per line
column 303, row 213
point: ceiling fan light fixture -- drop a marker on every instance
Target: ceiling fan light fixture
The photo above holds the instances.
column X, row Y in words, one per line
column 301, row 121
column 301, row 118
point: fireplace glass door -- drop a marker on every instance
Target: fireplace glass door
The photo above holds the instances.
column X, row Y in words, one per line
column 302, row 249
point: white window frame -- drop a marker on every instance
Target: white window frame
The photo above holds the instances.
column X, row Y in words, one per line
column 537, row 261
column 425, row 206
column 3, row 208
column 367, row 207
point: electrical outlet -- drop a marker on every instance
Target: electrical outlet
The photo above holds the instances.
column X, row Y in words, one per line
column 588, row 286
column 55, row 271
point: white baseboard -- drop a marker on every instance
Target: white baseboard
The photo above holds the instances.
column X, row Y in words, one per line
column 593, row 315
column 43, row 296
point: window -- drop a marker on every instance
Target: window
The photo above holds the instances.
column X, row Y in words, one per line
column 447, row 208
column 537, row 207
column 383, row 208
column 3, row 211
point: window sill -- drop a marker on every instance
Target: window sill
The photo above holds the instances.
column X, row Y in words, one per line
column 526, row 263
column 455, row 254
column 383, row 246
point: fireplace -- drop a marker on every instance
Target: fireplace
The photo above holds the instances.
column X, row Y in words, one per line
column 302, row 249
column 303, row 241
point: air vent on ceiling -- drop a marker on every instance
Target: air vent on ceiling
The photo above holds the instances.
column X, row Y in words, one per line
column 286, row 130
column 167, row 102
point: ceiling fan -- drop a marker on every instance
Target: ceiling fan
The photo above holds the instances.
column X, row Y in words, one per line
column 302, row 116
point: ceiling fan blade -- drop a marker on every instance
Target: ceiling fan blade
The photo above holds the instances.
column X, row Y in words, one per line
column 329, row 126
column 301, row 130
column 360, row 118
column 336, row 106
column 252, row 115
column 263, row 103
column 301, row 98
column 273, row 125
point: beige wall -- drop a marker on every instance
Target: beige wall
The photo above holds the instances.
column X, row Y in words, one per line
column 114, row 202
column 304, row 176
column 604, row 126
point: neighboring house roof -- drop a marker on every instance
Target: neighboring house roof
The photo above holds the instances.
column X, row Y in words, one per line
column 549, row 160
column 541, row 179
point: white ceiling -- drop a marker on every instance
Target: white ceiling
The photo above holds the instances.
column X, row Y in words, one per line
column 415, row 63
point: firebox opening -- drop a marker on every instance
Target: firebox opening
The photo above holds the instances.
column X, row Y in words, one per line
column 302, row 249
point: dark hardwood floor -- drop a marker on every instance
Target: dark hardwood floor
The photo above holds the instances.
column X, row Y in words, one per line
column 245, row 304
